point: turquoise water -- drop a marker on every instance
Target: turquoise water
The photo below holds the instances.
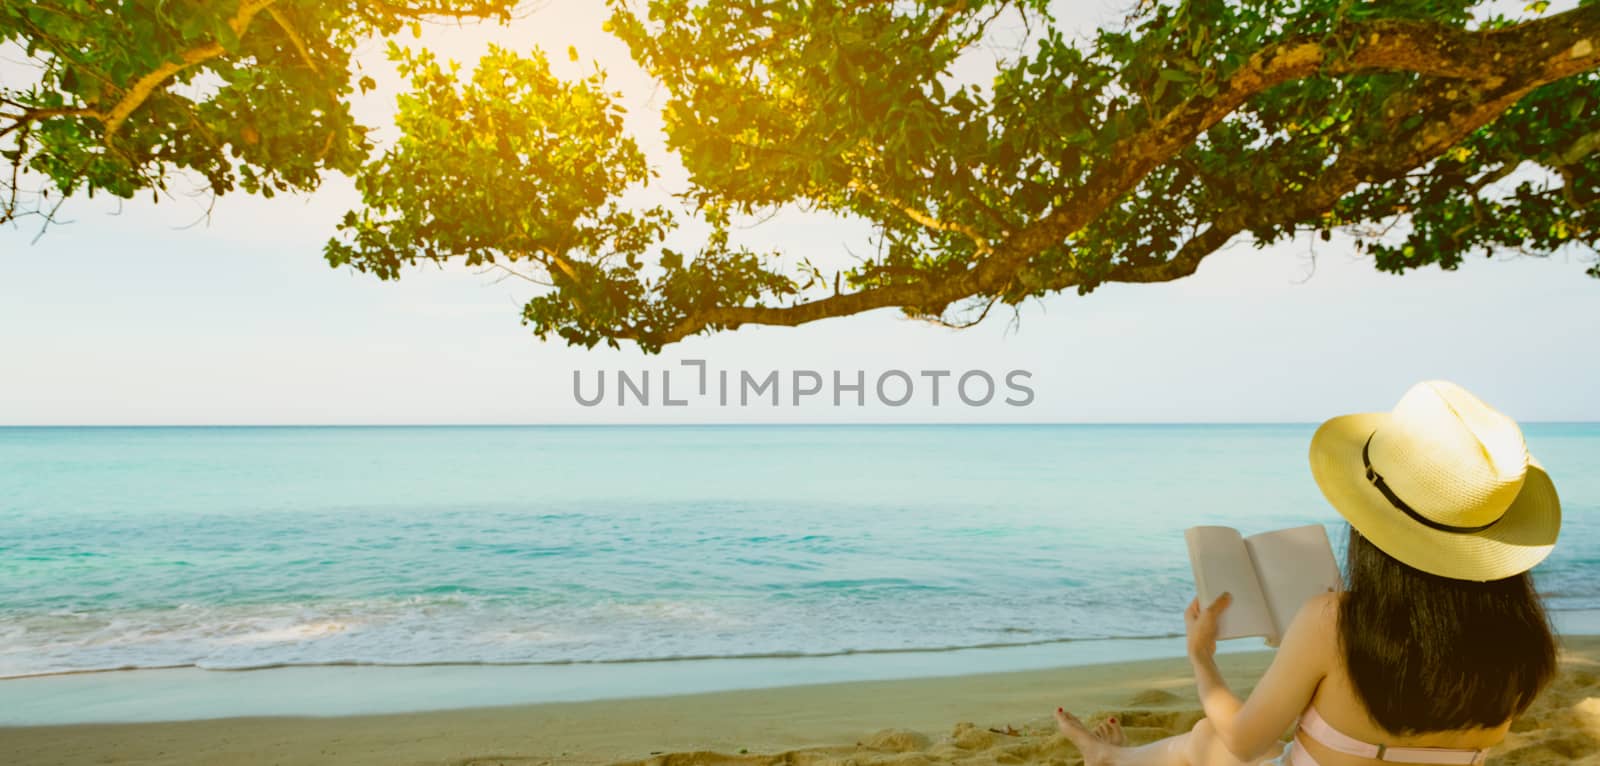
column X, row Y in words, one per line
column 226, row 548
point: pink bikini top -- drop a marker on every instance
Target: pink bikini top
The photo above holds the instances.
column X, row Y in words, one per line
column 1312, row 725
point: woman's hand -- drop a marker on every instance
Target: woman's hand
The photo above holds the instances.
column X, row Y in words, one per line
column 1201, row 625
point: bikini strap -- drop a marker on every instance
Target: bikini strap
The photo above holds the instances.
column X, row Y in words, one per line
column 1313, row 726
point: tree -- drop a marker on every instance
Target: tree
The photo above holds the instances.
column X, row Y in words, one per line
column 1424, row 129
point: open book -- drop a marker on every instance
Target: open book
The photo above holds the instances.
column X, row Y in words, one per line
column 1270, row 575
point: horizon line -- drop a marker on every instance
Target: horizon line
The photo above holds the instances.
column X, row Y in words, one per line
column 750, row 424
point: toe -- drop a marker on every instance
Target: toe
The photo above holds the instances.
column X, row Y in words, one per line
column 1096, row 751
column 1070, row 725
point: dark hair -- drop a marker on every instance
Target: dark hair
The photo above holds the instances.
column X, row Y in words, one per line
column 1430, row 653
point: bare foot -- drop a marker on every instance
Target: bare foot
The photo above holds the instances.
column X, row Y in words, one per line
column 1111, row 731
column 1099, row 747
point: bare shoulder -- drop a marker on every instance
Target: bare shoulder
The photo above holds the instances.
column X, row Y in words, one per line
column 1317, row 623
column 1323, row 610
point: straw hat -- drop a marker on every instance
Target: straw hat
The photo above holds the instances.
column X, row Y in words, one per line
column 1443, row 483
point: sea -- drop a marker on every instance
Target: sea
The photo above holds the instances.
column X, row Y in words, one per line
column 234, row 548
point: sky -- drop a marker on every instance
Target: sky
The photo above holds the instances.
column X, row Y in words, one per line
column 142, row 313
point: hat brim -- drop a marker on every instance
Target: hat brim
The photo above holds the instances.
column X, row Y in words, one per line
column 1520, row 540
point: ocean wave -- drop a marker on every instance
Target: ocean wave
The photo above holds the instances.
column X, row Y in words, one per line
column 465, row 629
column 455, row 628
column 614, row 661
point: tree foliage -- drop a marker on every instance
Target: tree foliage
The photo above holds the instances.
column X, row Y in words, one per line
column 1424, row 129
column 121, row 97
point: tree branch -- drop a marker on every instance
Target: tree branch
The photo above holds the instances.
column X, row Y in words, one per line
column 294, row 37
column 141, row 89
column 922, row 218
column 29, row 116
column 1501, row 64
column 1384, row 162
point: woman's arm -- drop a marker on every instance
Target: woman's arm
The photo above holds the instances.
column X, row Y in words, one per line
column 1250, row 729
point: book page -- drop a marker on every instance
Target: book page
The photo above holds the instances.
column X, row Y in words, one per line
column 1292, row 566
column 1222, row 563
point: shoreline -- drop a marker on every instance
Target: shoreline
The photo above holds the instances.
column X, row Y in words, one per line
column 155, row 695
column 919, row 720
column 563, row 663
column 190, row 692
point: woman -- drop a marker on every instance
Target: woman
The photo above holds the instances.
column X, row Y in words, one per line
column 1439, row 639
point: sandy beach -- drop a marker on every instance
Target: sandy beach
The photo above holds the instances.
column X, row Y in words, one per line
column 977, row 720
